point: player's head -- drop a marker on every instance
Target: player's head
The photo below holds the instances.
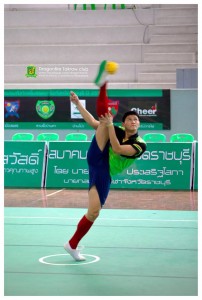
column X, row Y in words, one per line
column 130, row 113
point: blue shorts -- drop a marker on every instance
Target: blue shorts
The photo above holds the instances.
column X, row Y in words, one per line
column 99, row 175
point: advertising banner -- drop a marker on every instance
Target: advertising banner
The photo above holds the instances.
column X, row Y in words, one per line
column 163, row 166
column 24, row 164
column 67, row 165
column 51, row 109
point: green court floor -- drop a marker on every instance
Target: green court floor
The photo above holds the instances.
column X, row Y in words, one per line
column 128, row 253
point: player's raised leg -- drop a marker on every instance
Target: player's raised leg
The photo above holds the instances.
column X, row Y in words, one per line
column 106, row 68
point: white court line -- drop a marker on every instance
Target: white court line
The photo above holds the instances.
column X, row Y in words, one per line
column 96, row 259
column 103, row 219
column 55, row 193
column 48, row 195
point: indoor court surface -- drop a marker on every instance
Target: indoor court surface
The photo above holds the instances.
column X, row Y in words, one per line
column 144, row 243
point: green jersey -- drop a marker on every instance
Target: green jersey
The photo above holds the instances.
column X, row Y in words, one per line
column 117, row 162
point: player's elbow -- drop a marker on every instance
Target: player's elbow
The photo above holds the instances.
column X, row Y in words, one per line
column 117, row 150
column 93, row 123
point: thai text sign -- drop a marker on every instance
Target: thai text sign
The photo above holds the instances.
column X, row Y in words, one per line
column 67, row 165
column 24, row 164
column 162, row 166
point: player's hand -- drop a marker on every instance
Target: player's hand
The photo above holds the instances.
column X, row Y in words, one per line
column 107, row 119
column 74, row 98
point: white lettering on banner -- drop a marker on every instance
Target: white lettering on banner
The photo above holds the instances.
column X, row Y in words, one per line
column 69, row 69
column 46, row 69
column 85, row 181
column 74, row 154
column 165, row 155
column 60, row 171
column 144, row 111
column 73, row 171
column 155, row 172
column 20, row 171
column 82, row 171
column 78, row 126
column 45, row 125
column 140, row 182
column 18, row 158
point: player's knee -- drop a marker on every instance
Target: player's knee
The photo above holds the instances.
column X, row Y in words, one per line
column 93, row 215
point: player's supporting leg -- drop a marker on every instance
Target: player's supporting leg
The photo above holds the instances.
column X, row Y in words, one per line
column 86, row 222
column 84, row 225
column 94, row 204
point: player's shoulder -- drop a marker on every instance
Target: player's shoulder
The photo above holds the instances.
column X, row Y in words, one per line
column 140, row 140
column 119, row 128
column 120, row 131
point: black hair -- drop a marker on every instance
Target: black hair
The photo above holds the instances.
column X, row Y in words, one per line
column 128, row 113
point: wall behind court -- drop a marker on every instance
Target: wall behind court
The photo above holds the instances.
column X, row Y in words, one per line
column 184, row 111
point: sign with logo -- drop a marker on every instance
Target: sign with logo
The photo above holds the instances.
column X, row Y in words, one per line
column 52, row 108
column 146, row 111
column 113, row 107
column 164, row 166
column 154, row 110
column 31, row 71
column 11, row 108
column 24, row 164
column 75, row 114
column 45, row 108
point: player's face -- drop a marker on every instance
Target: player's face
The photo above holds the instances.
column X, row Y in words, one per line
column 131, row 123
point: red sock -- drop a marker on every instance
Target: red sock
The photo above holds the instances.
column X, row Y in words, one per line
column 82, row 228
column 102, row 101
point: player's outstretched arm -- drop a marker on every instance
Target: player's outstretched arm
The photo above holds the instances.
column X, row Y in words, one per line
column 85, row 114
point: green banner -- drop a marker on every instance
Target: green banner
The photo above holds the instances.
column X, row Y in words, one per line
column 69, row 125
column 24, row 164
column 67, row 165
column 163, row 166
column 48, row 125
column 83, row 93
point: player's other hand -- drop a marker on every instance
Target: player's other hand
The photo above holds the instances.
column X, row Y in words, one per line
column 107, row 119
column 74, row 98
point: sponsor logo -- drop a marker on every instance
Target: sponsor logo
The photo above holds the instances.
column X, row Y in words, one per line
column 45, row 108
column 113, row 107
column 144, row 112
column 75, row 113
column 31, row 71
column 12, row 108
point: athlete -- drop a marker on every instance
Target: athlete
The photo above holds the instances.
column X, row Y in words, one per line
column 112, row 150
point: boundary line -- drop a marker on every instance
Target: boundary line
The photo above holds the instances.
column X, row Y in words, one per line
column 102, row 219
